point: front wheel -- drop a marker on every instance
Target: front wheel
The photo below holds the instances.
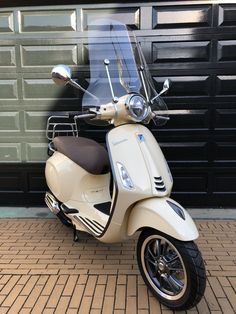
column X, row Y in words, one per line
column 173, row 270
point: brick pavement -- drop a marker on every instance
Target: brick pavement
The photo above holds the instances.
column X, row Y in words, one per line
column 43, row 271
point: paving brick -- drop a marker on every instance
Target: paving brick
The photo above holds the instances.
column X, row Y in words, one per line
column 98, row 297
column 111, row 286
column 108, row 305
column 62, row 305
column 132, row 286
column 4, row 279
column 225, row 306
column 131, row 305
column 85, row 305
column 120, row 297
column 121, row 279
column 33, row 296
column 216, row 287
column 18, row 304
column 29, row 285
column 90, row 286
column 77, row 296
column 12, row 296
column 55, row 296
column 102, row 279
column 142, row 297
column 202, row 307
column 231, row 296
column 4, row 310
column 154, row 305
column 9, row 285
column 70, row 284
column 40, row 304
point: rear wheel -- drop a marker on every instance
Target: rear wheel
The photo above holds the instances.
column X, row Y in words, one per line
column 173, row 270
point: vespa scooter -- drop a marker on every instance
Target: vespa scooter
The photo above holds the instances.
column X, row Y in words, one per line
column 81, row 172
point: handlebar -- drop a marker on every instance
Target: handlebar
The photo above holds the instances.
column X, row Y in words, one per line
column 85, row 116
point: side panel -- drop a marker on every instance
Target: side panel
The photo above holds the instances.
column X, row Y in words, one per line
column 71, row 183
column 157, row 214
column 126, row 148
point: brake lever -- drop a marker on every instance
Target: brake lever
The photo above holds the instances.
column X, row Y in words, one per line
column 156, row 118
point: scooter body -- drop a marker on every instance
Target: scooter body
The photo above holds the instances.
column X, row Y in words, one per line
column 133, row 194
column 134, row 148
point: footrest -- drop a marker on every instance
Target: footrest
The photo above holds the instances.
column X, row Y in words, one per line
column 67, row 210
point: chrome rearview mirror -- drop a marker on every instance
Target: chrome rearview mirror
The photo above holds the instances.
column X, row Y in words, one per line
column 166, row 85
column 61, row 74
column 165, row 88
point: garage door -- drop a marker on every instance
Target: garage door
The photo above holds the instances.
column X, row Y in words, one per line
column 191, row 42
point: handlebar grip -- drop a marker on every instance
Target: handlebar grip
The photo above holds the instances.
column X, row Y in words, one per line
column 162, row 118
column 85, row 116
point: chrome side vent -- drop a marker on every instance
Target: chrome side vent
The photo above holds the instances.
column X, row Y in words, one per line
column 95, row 227
column 52, row 203
column 159, row 184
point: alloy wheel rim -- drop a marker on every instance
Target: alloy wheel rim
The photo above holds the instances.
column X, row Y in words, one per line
column 164, row 267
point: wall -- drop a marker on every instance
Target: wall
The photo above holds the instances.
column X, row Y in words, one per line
column 191, row 42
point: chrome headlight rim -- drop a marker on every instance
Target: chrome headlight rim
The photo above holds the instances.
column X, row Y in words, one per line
column 131, row 113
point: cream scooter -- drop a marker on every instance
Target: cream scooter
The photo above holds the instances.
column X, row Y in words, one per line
column 81, row 172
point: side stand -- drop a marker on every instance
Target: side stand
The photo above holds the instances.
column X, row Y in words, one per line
column 76, row 235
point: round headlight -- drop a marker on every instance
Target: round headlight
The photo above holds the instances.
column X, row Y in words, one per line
column 137, row 107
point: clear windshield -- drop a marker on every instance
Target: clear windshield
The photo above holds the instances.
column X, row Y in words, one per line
column 109, row 40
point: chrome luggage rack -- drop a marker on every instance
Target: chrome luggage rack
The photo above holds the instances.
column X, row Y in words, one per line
column 61, row 125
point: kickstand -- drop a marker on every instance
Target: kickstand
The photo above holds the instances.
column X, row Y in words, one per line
column 76, row 235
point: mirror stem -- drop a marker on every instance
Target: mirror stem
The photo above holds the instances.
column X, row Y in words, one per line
column 159, row 94
column 78, row 86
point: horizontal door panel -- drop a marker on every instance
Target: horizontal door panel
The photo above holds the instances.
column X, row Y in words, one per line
column 49, row 55
column 8, row 89
column 226, row 85
column 37, row 182
column 227, row 15
column 225, row 119
column 180, row 51
column 226, row 50
column 182, row 16
column 191, row 182
column 10, row 152
column 186, row 85
column 6, row 22
column 7, row 57
column 45, row 88
column 225, row 151
column 48, row 21
column 10, row 182
column 129, row 16
column 224, row 182
column 9, row 121
column 36, row 152
column 185, row 152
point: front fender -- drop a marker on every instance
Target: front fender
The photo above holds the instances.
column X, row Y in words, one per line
column 158, row 214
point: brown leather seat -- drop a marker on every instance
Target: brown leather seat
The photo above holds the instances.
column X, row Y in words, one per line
column 87, row 153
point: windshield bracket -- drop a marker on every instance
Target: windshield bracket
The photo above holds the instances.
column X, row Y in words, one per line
column 143, row 81
column 106, row 63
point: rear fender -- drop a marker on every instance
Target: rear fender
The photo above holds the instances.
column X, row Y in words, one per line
column 160, row 214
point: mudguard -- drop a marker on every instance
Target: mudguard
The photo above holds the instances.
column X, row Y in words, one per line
column 161, row 214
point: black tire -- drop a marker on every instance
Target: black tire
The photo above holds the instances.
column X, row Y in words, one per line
column 173, row 270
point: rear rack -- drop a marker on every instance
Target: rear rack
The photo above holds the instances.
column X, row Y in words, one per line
column 63, row 125
column 60, row 125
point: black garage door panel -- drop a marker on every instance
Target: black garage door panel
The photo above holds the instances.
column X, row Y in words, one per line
column 192, row 43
